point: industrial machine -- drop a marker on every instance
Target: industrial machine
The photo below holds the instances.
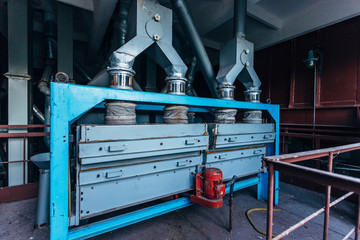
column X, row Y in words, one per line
column 117, row 165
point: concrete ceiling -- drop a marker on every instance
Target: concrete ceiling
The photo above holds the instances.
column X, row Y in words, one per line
column 268, row 22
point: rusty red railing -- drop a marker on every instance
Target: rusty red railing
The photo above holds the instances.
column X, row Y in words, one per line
column 24, row 135
column 283, row 164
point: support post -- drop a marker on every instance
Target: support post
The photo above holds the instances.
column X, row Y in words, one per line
column 65, row 39
column 18, row 79
column 270, row 206
column 59, row 163
column 357, row 229
column 328, row 198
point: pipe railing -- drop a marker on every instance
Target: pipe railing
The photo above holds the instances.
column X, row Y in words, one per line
column 282, row 163
column 24, row 135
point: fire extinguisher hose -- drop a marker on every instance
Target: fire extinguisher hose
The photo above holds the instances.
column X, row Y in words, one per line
column 252, row 223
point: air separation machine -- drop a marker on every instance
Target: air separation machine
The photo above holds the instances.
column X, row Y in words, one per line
column 97, row 169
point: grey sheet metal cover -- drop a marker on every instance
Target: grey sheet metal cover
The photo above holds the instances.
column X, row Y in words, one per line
column 131, row 132
column 240, row 128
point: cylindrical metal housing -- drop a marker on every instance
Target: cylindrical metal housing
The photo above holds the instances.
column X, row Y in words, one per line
column 121, row 78
column 252, row 95
column 176, row 85
column 226, row 92
column 252, row 116
column 213, row 185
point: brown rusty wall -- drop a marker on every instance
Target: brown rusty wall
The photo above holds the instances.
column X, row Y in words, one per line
column 287, row 82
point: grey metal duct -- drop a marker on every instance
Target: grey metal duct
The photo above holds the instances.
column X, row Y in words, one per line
column 151, row 32
column 237, row 62
column 38, row 114
column 102, row 78
column 44, row 81
column 182, row 11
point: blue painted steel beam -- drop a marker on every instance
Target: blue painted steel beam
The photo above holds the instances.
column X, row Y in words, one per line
column 127, row 219
column 69, row 102
column 160, row 108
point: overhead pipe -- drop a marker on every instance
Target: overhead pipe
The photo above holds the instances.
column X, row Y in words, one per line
column 44, row 80
column 249, row 77
column 50, row 34
column 182, row 11
column 190, row 77
column 240, row 10
column 123, row 16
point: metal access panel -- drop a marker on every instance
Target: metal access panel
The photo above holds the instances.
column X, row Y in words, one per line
column 237, row 135
column 122, row 166
column 240, row 162
column 107, row 143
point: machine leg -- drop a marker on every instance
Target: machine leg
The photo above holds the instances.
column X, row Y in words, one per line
column 262, row 190
column 231, row 203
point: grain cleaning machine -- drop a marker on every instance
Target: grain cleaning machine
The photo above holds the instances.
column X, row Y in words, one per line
column 118, row 172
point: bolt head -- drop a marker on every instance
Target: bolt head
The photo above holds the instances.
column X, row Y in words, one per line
column 247, row 64
column 157, row 17
column 156, row 37
column 247, row 51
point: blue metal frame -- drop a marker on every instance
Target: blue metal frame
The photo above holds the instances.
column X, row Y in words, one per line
column 68, row 103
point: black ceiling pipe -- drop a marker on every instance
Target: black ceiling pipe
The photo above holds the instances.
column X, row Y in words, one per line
column 182, row 11
column 240, row 10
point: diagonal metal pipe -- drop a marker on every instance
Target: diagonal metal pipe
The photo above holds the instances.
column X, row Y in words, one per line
column 182, row 11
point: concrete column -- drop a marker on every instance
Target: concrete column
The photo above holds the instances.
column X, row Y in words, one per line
column 18, row 99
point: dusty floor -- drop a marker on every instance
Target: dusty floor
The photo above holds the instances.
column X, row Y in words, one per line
column 196, row 222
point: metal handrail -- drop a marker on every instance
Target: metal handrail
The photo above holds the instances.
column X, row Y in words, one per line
column 282, row 163
column 24, row 135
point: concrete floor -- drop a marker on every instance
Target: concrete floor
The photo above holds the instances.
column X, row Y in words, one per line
column 196, row 222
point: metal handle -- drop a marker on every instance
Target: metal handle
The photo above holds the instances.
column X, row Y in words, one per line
column 118, row 148
column 257, row 151
column 267, row 136
column 114, row 174
column 222, row 156
column 182, row 163
column 189, row 142
column 232, row 139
